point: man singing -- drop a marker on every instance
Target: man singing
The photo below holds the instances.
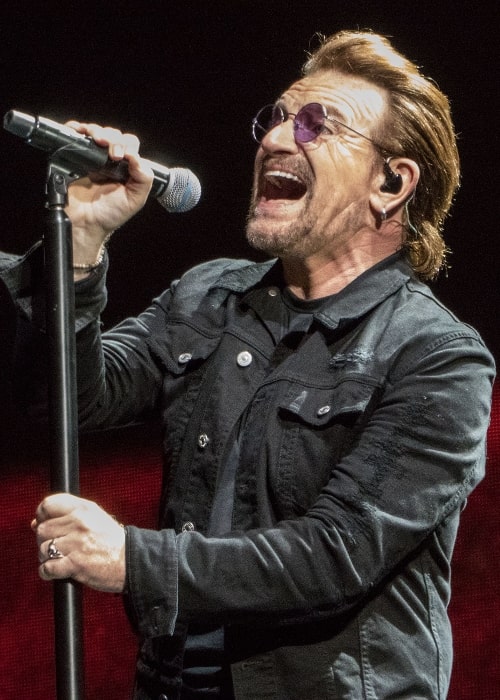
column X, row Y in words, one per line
column 324, row 415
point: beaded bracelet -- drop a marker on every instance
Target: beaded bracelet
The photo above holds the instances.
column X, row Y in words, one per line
column 88, row 267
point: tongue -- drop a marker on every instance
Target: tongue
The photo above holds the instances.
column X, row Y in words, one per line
column 283, row 189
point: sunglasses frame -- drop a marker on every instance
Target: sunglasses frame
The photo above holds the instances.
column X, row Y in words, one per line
column 285, row 115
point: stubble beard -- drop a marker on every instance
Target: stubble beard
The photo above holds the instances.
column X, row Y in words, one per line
column 281, row 239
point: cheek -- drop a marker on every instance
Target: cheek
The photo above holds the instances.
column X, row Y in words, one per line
column 257, row 168
column 344, row 174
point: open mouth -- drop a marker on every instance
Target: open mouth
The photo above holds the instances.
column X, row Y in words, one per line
column 279, row 184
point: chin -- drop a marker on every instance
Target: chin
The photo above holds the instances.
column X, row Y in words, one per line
column 279, row 239
column 261, row 236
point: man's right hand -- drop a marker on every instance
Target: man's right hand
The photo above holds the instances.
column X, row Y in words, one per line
column 96, row 207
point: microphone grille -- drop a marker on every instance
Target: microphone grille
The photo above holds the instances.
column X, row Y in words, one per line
column 183, row 191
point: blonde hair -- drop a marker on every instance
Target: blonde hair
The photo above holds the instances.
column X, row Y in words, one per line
column 418, row 126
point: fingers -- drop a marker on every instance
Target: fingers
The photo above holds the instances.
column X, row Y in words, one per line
column 78, row 539
column 57, row 505
column 99, row 565
column 119, row 144
column 63, row 513
column 54, row 564
column 55, row 516
column 51, row 559
column 101, row 202
column 49, row 549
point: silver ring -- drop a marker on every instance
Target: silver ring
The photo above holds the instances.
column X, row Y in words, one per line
column 53, row 552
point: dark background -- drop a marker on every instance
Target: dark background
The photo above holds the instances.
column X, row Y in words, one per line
column 188, row 78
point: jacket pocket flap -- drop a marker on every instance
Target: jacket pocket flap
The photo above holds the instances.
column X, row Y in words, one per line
column 183, row 349
column 321, row 406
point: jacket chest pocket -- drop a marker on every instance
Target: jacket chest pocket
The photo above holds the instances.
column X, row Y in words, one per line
column 318, row 427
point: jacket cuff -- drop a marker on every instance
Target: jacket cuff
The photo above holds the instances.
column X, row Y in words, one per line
column 22, row 276
column 151, row 584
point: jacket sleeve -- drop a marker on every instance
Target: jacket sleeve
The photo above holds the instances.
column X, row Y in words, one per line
column 118, row 378
column 419, row 456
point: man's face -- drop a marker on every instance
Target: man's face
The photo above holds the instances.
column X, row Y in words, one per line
column 311, row 198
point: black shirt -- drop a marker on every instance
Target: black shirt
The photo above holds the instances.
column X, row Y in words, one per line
column 206, row 673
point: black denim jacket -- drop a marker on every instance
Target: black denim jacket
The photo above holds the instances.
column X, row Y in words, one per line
column 359, row 450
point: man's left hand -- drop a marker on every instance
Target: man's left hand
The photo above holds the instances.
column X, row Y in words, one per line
column 77, row 539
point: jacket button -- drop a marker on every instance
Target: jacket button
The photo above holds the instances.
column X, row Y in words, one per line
column 324, row 410
column 184, row 358
column 244, row 358
column 272, row 291
column 203, row 440
column 188, row 527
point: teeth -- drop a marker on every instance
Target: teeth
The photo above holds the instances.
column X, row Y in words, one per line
column 276, row 175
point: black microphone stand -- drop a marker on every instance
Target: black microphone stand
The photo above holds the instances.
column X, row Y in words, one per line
column 63, row 416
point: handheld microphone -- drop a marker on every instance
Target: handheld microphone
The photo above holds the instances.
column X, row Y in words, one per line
column 176, row 189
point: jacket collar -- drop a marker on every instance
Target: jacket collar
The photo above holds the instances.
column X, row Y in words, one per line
column 359, row 297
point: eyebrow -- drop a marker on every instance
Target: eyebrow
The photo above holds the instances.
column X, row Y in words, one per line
column 331, row 111
column 336, row 114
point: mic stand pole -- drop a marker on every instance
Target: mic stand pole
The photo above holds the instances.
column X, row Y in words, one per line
column 63, row 415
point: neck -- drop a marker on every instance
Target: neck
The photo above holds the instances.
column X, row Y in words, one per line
column 320, row 275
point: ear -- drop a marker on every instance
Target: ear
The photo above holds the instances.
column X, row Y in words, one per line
column 393, row 185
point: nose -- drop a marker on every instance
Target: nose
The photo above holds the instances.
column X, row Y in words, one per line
column 280, row 138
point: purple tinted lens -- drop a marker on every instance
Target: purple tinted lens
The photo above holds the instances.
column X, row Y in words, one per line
column 309, row 122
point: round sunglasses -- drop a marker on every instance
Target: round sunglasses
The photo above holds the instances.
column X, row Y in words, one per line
column 308, row 123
